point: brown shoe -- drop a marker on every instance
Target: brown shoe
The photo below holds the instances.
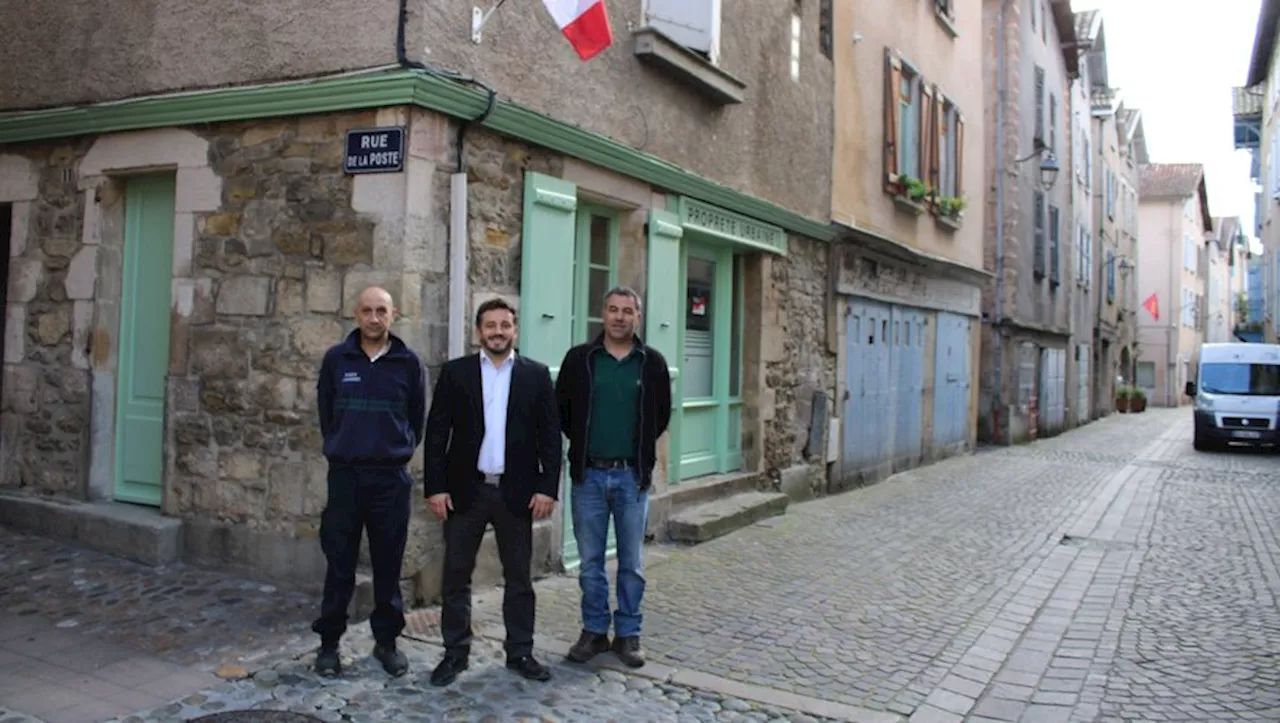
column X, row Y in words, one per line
column 589, row 645
column 629, row 652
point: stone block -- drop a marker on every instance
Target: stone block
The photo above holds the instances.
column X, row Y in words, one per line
column 19, row 179
column 313, row 337
column 198, row 189
column 405, row 290
column 138, row 533
column 714, row 519
column 81, row 328
column 52, row 326
column 19, row 226
column 348, row 247
column 82, row 274
column 25, row 278
column 324, row 290
column 219, row 354
column 239, row 465
column 184, row 243
column 795, row 483
column 290, row 299
column 15, row 333
column 258, row 225
column 295, row 490
column 244, row 295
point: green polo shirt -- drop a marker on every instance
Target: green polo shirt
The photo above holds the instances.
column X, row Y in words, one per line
column 615, row 394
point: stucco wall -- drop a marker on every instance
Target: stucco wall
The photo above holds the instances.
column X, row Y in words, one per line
column 775, row 145
column 84, row 51
column 954, row 64
column 1040, row 301
column 1159, row 257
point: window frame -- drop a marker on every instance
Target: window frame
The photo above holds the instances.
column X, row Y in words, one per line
column 583, row 266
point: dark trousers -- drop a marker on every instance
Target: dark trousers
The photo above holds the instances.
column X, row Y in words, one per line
column 462, row 536
column 376, row 501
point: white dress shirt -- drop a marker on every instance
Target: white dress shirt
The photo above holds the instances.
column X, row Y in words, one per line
column 495, row 381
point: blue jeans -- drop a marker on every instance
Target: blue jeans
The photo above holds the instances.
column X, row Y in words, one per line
column 603, row 494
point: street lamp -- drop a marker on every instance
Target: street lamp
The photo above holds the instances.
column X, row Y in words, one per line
column 1048, row 165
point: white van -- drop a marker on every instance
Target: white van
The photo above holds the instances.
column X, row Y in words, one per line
column 1237, row 395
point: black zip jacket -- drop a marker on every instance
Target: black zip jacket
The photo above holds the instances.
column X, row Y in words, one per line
column 573, row 390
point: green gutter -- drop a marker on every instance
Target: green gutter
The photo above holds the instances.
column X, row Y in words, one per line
column 392, row 88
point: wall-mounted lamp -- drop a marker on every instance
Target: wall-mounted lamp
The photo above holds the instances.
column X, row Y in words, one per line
column 1048, row 165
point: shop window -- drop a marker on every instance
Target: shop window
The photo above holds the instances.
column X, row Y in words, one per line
column 735, row 333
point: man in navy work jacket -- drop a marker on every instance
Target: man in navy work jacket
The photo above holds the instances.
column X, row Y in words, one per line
column 492, row 457
column 372, row 399
column 615, row 401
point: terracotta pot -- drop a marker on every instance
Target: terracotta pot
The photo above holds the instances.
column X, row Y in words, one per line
column 1138, row 405
column 1122, row 404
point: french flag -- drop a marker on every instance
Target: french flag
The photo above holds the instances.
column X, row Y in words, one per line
column 584, row 22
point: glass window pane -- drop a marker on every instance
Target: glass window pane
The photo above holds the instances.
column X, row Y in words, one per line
column 699, row 351
column 594, row 329
column 599, row 240
column 597, row 287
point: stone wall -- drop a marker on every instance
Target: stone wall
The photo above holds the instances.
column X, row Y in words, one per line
column 796, row 365
column 46, row 397
column 275, row 258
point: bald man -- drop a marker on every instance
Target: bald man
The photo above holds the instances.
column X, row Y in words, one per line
column 372, row 399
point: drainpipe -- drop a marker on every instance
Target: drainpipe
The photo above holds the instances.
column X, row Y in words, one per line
column 998, row 397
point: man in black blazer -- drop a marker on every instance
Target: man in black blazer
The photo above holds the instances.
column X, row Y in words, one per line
column 493, row 452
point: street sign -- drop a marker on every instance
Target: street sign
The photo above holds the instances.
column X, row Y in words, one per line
column 374, row 150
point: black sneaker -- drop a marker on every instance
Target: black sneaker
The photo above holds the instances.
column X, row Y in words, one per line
column 589, row 645
column 450, row 666
column 328, row 663
column 629, row 652
column 393, row 661
column 527, row 667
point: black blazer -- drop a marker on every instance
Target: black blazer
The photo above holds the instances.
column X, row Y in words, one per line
column 455, row 430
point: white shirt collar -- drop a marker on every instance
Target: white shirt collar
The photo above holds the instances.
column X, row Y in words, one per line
column 485, row 358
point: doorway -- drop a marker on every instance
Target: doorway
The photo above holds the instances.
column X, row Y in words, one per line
column 143, row 369
column 710, row 404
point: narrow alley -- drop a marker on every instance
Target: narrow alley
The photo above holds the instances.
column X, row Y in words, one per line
column 1111, row 573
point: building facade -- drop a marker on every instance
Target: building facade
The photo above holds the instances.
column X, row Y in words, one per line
column 180, row 261
column 907, row 202
column 1176, row 228
column 1258, row 129
column 1030, row 60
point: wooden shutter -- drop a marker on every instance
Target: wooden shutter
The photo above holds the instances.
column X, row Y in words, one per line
column 957, row 163
column 546, row 259
column 892, row 82
column 691, row 23
column 929, row 103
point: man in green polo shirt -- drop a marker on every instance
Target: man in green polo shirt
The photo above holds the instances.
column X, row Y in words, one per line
column 615, row 401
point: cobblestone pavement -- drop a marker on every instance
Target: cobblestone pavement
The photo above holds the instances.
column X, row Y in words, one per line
column 486, row 692
column 1109, row 573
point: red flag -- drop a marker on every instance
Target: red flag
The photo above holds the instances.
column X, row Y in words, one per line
column 585, row 24
column 1152, row 305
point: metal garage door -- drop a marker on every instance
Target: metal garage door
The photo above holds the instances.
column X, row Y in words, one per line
column 884, row 385
column 952, row 384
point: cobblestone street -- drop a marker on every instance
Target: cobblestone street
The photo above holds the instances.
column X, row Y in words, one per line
column 1111, row 573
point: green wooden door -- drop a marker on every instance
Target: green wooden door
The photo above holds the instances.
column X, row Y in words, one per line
column 662, row 315
column 546, row 301
column 144, row 339
column 706, row 337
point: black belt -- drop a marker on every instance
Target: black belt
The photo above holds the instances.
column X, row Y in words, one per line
column 597, row 463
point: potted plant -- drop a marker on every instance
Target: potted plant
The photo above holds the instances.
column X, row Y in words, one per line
column 951, row 207
column 1122, row 399
column 1137, row 400
column 915, row 189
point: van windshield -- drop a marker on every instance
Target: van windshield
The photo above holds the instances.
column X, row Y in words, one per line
column 1243, row 379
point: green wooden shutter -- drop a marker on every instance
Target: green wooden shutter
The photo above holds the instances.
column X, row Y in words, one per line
column 663, row 302
column 546, row 298
column 546, row 253
column 662, row 315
